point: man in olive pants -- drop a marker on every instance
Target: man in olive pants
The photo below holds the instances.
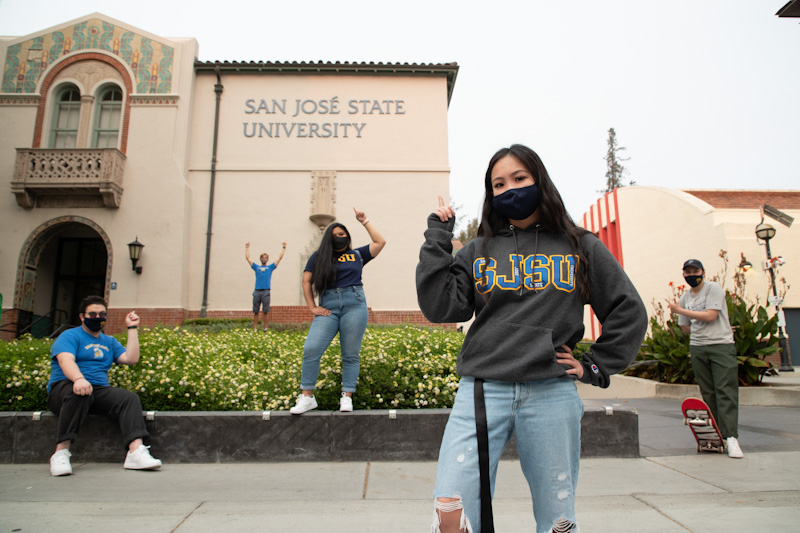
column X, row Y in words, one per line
column 703, row 314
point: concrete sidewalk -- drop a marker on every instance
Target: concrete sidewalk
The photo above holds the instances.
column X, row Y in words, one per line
column 700, row 493
column 671, row 489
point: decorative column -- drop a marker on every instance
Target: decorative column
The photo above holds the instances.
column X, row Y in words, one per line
column 85, row 125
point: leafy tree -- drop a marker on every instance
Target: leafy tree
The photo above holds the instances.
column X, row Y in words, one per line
column 615, row 171
column 469, row 232
column 464, row 233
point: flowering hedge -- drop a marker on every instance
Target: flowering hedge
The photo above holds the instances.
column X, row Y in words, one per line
column 403, row 367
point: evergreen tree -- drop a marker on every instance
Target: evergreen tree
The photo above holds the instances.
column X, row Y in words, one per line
column 615, row 171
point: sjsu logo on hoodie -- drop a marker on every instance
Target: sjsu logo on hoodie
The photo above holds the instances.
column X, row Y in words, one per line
column 532, row 271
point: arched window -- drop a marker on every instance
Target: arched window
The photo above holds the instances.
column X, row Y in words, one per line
column 66, row 118
column 107, row 118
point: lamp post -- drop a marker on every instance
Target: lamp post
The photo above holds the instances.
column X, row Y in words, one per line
column 765, row 232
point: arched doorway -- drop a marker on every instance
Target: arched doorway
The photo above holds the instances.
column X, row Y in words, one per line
column 61, row 262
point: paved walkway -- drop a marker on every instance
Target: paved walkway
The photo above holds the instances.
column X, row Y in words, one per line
column 671, row 489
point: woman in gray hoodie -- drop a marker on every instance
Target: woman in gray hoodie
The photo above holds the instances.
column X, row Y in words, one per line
column 526, row 278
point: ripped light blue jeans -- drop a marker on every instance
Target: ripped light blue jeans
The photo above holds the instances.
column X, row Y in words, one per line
column 545, row 418
column 348, row 318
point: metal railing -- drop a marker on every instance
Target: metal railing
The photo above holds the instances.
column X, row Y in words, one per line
column 49, row 325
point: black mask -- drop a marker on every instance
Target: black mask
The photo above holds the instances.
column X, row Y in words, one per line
column 94, row 324
column 339, row 243
column 517, row 204
column 693, row 281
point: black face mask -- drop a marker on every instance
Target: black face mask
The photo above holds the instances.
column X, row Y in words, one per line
column 94, row 324
column 517, row 204
column 339, row 243
column 693, row 281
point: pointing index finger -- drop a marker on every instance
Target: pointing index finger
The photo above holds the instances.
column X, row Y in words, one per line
column 441, row 201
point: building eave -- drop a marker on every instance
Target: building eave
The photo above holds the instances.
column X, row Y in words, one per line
column 449, row 70
column 747, row 199
column 791, row 9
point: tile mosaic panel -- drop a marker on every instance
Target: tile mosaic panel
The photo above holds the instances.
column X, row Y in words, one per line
column 151, row 61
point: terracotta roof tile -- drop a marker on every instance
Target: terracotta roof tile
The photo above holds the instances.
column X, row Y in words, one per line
column 449, row 70
column 722, row 199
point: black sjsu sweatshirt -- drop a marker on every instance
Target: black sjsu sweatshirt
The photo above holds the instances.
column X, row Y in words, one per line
column 534, row 305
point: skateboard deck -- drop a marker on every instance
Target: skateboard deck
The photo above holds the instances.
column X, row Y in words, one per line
column 698, row 417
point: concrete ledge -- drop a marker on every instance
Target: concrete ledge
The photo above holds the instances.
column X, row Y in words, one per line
column 229, row 437
column 620, row 387
column 772, row 394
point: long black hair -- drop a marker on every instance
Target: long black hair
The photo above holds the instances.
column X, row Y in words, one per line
column 553, row 215
column 323, row 275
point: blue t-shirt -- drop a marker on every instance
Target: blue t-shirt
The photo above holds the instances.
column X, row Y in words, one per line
column 263, row 275
column 93, row 355
column 348, row 266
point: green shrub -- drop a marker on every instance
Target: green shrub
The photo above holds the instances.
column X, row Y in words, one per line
column 664, row 356
column 756, row 336
column 235, row 370
column 24, row 371
column 210, row 325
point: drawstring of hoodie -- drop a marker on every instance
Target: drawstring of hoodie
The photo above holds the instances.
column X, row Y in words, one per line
column 535, row 251
column 516, row 253
column 518, row 274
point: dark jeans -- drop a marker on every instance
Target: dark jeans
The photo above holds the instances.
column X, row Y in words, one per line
column 716, row 370
column 117, row 404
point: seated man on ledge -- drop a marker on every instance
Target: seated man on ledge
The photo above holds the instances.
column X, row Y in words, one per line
column 80, row 360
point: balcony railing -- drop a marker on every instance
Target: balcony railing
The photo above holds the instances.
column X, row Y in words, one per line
column 68, row 177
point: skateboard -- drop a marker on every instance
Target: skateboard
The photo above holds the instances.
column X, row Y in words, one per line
column 698, row 417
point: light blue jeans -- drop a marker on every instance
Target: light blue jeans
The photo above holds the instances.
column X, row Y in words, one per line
column 348, row 318
column 545, row 418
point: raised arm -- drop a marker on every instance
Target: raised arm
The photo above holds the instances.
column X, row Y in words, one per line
column 444, row 284
column 283, row 251
column 131, row 355
column 378, row 242
column 247, row 253
column 709, row 315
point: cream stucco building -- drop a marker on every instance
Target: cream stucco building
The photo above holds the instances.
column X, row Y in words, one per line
column 653, row 230
column 111, row 134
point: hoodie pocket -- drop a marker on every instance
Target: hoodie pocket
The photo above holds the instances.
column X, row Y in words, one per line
column 510, row 351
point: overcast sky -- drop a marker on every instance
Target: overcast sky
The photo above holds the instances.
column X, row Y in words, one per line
column 702, row 93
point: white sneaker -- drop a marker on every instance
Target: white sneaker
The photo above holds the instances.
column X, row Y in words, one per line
column 345, row 403
column 304, row 403
column 59, row 463
column 733, row 448
column 140, row 459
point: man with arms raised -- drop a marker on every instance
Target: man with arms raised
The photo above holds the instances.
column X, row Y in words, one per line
column 261, row 294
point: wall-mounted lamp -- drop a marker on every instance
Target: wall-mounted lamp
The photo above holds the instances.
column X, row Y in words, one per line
column 135, row 249
column 745, row 265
